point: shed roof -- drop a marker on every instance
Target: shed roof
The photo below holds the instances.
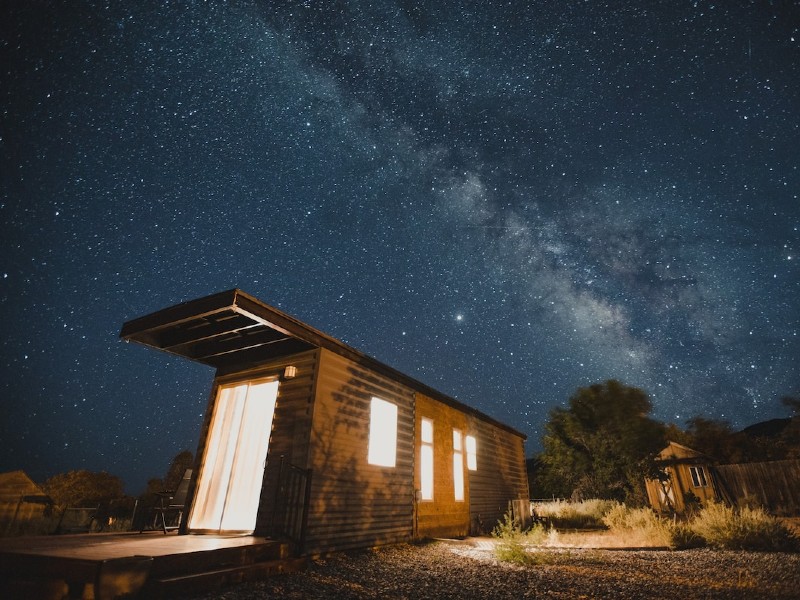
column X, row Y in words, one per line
column 678, row 453
column 232, row 329
column 16, row 484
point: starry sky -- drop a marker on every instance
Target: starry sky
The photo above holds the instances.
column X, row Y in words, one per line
column 505, row 201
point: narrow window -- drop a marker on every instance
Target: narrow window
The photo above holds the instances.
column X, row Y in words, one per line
column 698, row 476
column 426, row 459
column 458, row 466
column 382, row 433
column 472, row 453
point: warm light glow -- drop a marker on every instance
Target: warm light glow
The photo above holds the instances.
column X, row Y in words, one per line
column 382, row 433
column 472, row 453
column 426, row 431
column 426, row 459
column 458, row 466
column 229, row 487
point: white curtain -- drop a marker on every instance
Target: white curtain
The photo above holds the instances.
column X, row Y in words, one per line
column 229, row 488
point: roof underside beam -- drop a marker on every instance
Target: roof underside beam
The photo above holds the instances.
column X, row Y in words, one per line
column 215, row 331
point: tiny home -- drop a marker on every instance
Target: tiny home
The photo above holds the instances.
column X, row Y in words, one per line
column 308, row 439
column 687, row 481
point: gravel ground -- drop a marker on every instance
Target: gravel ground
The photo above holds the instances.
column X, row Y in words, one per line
column 467, row 569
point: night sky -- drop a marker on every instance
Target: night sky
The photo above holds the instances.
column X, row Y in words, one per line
column 505, row 202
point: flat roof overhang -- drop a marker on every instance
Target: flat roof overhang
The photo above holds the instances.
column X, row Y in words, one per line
column 232, row 330
column 223, row 330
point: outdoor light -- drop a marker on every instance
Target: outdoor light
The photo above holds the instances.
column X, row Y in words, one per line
column 290, row 372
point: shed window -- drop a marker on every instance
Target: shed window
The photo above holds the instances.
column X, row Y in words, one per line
column 426, row 459
column 382, row 433
column 472, row 453
column 698, row 476
column 458, row 466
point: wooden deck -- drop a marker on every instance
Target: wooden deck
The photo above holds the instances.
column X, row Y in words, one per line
column 148, row 565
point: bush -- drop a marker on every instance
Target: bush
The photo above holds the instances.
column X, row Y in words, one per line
column 587, row 514
column 683, row 537
column 510, row 546
column 640, row 525
column 742, row 529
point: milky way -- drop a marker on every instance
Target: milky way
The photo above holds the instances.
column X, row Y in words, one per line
column 504, row 202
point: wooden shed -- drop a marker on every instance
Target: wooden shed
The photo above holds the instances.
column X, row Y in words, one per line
column 687, row 481
column 308, row 439
column 21, row 501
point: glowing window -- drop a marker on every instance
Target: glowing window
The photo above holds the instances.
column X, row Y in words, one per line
column 458, row 466
column 426, row 459
column 382, row 433
column 472, row 453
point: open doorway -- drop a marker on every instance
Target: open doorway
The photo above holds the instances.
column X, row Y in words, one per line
column 229, row 488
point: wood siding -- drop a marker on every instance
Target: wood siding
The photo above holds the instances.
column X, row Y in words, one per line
column 443, row 516
column 500, row 476
column 680, row 478
column 21, row 501
column 775, row 486
column 670, row 495
column 354, row 504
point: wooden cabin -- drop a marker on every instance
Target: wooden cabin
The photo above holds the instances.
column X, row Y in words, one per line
column 22, row 502
column 688, row 481
column 308, row 439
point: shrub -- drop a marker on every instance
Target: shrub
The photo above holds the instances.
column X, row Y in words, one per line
column 742, row 529
column 586, row 514
column 683, row 537
column 510, row 546
column 639, row 525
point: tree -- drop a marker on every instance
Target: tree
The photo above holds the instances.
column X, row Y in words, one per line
column 602, row 446
column 83, row 488
column 791, row 434
column 714, row 438
column 792, row 403
column 182, row 461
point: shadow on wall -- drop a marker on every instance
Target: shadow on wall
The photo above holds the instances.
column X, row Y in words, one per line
column 353, row 503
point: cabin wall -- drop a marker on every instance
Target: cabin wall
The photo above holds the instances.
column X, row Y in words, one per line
column 354, row 504
column 443, row 516
column 500, row 476
column 290, row 426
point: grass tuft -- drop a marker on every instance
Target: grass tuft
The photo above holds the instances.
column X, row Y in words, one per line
column 510, row 546
column 562, row 514
column 640, row 526
column 743, row 529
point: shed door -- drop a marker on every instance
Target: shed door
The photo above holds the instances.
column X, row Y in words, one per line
column 229, row 488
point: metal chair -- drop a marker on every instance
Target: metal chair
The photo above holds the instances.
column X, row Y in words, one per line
column 168, row 510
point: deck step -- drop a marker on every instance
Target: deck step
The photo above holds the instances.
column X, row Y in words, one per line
column 193, row 583
column 222, row 558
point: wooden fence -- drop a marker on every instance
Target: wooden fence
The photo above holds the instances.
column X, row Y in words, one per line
column 775, row 486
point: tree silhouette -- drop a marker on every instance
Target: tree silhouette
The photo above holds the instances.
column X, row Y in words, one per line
column 602, row 446
column 83, row 488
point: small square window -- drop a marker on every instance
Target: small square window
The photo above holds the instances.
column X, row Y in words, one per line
column 698, row 476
